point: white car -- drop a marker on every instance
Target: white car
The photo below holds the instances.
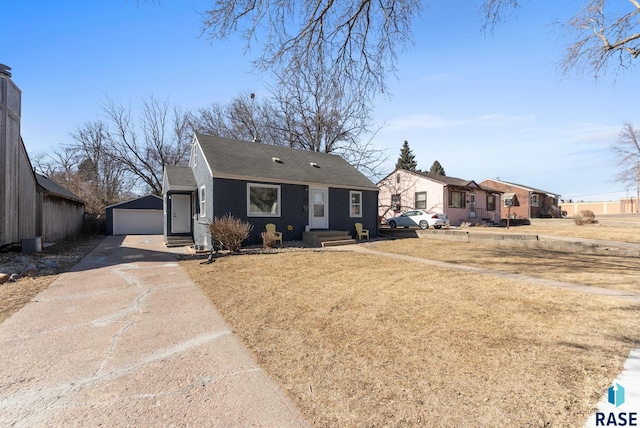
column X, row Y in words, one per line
column 419, row 218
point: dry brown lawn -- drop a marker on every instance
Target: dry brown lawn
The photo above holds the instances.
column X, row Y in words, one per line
column 363, row 340
column 14, row 295
column 622, row 234
column 621, row 273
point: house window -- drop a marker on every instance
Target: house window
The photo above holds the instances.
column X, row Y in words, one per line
column 456, row 199
column 397, row 178
column 535, row 200
column 421, row 201
column 203, row 201
column 195, row 155
column 356, row 203
column 491, row 202
column 395, row 202
column 263, row 200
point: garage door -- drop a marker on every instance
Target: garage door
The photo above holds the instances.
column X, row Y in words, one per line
column 137, row 222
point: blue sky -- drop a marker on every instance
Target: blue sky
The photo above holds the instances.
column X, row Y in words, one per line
column 483, row 105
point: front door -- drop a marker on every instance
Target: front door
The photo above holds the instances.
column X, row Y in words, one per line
column 472, row 205
column 319, row 212
column 180, row 213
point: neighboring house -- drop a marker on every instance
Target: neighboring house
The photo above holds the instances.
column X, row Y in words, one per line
column 461, row 200
column 59, row 212
column 140, row 216
column 260, row 183
column 30, row 204
column 526, row 202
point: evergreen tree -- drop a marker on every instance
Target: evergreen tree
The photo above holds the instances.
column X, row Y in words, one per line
column 436, row 168
column 406, row 160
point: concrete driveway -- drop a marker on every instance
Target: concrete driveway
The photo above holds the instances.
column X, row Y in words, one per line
column 127, row 339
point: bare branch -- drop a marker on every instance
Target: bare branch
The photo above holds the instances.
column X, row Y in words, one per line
column 627, row 152
column 359, row 38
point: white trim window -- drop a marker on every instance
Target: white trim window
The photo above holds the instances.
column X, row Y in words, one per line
column 457, row 199
column 195, row 155
column 356, row 203
column 203, row 201
column 263, row 200
column 535, row 200
column 491, row 202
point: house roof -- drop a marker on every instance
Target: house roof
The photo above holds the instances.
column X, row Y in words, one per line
column 256, row 161
column 528, row 188
column 180, row 178
column 149, row 202
column 449, row 181
column 54, row 188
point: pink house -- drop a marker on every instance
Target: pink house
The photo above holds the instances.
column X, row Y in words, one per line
column 461, row 200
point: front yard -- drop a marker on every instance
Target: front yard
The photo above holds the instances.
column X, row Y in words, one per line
column 363, row 340
column 566, row 228
column 621, row 273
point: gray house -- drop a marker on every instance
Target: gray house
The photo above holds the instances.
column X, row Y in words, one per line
column 297, row 190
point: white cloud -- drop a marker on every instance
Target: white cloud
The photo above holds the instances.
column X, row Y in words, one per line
column 430, row 121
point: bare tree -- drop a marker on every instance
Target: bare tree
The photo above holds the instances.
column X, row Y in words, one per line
column 159, row 139
column 607, row 33
column 361, row 39
column 315, row 111
column 87, row 169
column 111, row 156
column 627, row 151
column 104, row 180
column 243, row 118
column 309, row 110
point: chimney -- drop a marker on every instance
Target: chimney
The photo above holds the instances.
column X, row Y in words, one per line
column 5, row 70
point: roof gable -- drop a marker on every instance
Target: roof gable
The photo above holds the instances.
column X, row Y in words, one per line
column 50, row 186
column 442, row 179
column 527, row 188
column 245, row 160
column 152, row 202
column 179, row 178
column 449, row 181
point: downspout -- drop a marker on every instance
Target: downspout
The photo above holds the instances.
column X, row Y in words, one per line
column 529, row 204
column 445, row 201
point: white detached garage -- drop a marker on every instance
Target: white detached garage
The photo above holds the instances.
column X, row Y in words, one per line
column 141, row 216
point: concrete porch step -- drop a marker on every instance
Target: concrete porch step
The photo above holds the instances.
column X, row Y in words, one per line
column 179, row 241
column 338, row 243
column 325, row 238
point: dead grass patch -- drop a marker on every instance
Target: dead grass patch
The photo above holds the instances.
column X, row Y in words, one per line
column 361, row 340
column 14, row 295
column 620, row 273
column 589, row 231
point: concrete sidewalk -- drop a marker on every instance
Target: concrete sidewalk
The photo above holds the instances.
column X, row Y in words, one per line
column 127, row 339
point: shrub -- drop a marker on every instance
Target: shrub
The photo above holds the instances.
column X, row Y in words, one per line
column 584, row 217
column 268, row 240
column 229, row 231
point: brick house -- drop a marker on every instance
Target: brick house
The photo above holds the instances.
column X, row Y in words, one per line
column 526, row 201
